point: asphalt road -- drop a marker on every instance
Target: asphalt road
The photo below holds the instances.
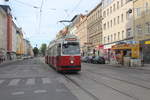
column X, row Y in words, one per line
column 33, row 80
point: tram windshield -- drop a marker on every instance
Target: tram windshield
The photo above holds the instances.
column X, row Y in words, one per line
column 71, row 48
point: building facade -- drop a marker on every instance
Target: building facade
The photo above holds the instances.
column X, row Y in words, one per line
column 73, row 25
column 94, row 30
column 82, row 34
column 14, row 40
column 3, row 33
column 116, row 18
column 142, row 27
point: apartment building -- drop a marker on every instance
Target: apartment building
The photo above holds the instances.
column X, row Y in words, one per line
column 82, row 33
column 117, row 21
column 3, row 33
column 142, row 19
column 94, row 29
column 72, row 26
column 14, row 40
column 19, row 44
column 142, row 27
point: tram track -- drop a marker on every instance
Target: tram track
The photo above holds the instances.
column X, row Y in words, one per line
column 79, row 86
column 130, row 76
column 135, row 84
column 110, row 87
column 100, row 83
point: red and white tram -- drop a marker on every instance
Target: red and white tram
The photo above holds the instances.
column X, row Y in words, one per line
column 64, row 54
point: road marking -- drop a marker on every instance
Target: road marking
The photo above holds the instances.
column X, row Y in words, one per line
column 30, row 82
column 61, row 90
column 14, row 82
column 17, row 93
column 46, row 81
column 40, row 91
column 1, row 81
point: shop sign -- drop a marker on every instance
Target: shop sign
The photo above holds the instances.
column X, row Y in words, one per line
column 147, row 42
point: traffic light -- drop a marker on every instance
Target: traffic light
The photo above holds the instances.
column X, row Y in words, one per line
column 6, row 0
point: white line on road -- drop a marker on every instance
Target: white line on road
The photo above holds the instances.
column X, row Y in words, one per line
column 46, row 81
column 40, row 91
column 30, row 82
column 14, row 82
column 1, row 81
column 61, row 90
column 17, row 93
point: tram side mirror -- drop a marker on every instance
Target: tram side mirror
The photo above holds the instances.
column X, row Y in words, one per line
column 59, row 45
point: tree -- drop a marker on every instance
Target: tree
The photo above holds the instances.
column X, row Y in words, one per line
column 43, row 49
column 35, row 51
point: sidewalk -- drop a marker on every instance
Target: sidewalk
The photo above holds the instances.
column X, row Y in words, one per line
column 8, row 62
column 145, row 67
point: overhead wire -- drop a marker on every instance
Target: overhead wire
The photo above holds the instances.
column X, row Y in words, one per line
column 27, row 4
column 76, row 6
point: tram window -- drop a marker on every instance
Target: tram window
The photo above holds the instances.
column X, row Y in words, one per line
column 71, row 48
column 59, row 49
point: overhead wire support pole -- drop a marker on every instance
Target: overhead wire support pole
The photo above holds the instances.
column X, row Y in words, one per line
column 40, row 15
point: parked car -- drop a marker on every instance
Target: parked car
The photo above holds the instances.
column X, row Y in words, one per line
column 85, row 59
column 90, row 59
column 98, row 60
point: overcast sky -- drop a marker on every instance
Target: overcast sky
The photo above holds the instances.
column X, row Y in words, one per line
column 28, row 17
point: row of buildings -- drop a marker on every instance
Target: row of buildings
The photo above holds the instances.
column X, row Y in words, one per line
column 114, row 29
column 12, row 43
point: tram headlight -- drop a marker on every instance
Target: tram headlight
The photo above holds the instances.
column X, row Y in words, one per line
column 71, row 61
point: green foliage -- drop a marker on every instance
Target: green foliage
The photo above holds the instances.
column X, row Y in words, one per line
column 35, row 51
column 43, row 49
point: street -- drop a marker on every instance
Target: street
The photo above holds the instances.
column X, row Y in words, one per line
column 32, row 79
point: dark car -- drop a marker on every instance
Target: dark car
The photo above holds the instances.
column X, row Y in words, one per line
column 98, row 60
column 90, row 59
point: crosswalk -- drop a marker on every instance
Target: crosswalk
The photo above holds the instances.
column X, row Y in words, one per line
column 26, row 82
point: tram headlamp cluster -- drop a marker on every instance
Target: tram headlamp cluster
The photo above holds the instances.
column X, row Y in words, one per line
column 71, row 61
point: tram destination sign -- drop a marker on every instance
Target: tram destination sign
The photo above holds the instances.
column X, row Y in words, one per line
column 70, row 39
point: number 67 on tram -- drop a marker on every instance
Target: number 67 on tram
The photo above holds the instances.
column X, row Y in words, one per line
column 64, row 54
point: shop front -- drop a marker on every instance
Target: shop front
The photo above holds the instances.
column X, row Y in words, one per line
column 145, row 49
column 108, row 53
column 126, row 53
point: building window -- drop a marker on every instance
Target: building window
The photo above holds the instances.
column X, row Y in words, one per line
column 111, row 23
column 118, row 19
column 114, row 36
column 104, row 14
column 110, row 9
column 148, row 27
column 108, row 25
column 107, row 12
column 122, row 17
column 111, row 38
column 114, row 21
column 146, row 6
column 105, row 26
column 139, row 29
column 114, row 7
column 104, row 39
column 121, row 3
column 122, row 34
column 129, row 32
column 138, row 11
column 117, row 4
column 108, row 38
column 118, row 35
